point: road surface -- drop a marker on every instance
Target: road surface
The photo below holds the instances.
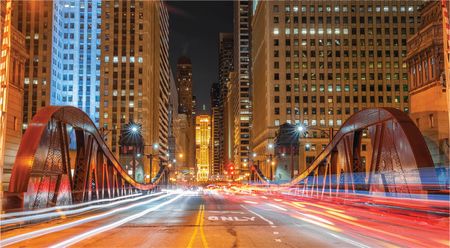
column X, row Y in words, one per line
column 233, row 219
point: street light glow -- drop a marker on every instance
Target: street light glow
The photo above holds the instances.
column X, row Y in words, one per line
column 134, row 129
column 155, row 146
column 270, row 145
column 300, row 128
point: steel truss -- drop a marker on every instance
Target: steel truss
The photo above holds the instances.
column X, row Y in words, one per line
column 63, row 159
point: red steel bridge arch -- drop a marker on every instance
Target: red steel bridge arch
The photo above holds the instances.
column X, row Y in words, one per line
column 400, row 161
column 44, row 174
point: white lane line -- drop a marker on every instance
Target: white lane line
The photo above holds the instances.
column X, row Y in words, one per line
column 277, row 207
column 260, row 216
column 71, row 212
column 99, row 230
column 273, row 226
column 349, row 241
column 37, row 233
column 276, row 233
column 44, row 210
column 277, row 240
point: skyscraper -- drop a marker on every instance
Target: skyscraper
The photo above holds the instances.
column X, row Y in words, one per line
column 323, row 61
column 34, row 20
column 186, row 108
column 240, row 84
column 135, row 74
column 75, row 70
column 224, row 68
column 12, row 63
column 428, row 81
column 203, row 146
column 216, row 120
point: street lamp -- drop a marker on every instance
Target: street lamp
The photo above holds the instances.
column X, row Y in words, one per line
column 150, row 156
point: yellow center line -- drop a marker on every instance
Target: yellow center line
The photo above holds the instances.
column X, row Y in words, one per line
column 199, row 225
column 202, row 233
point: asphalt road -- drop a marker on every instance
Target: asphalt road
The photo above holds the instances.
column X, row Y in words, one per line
column 192, row 219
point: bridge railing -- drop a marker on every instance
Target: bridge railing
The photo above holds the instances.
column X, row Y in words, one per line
column 63, row 159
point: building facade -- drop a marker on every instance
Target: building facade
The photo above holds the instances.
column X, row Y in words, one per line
column 75, row 71
column 203, row 146
column 186, row 107
column 428, row 81
column 34, row 19
column 216, row 121
column 12, row 72
column 241, row 102
column 225, row 67
column 320, row 62
column 135, row 75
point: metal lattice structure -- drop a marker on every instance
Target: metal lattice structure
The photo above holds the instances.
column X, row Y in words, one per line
column 400, row 161
column 63, row 159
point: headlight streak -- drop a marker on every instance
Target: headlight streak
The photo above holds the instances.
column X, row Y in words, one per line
column 44, row 210
column 99, row 230
column 382, row 234
column 71, row 212
column 37, row 233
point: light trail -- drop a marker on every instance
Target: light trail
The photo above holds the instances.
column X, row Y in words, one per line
column 71, row 212
column 44, row 210
column 105, row 228
column 38, row 233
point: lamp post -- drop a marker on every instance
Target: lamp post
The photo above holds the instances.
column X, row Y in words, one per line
column 130, row 137
column 302, row 130
column 155, row 146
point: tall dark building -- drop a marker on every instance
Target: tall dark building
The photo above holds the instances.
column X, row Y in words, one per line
column 184, row 85
column 225, row 67
column 216, row 120
column 240, row 102
column 186, row 107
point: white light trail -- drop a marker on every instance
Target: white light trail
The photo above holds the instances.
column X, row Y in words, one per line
column 69, row 212
column 44, row 210
column 105, row 228
column 37, row 233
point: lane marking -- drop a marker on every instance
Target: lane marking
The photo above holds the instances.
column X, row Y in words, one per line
column 37, row 233
column 260, row 216
column 276, row 233
column 277, row 240
column 113, row 225
column 199, row 225
column 349, row 241
column 202, row 232
column 275, row 206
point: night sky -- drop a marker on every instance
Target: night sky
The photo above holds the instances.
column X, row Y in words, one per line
column 194, row 32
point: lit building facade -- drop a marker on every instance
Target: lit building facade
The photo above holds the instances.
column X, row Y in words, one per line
column 203, row 146
column 12, row 65
column 75, row 71
column 240, row 98
column 225, row 67
column 323, row 61
column 428, row 81
column 34, row 20
column 186, row 108
column 135, row 75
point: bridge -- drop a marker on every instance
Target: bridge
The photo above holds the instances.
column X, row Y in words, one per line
column 67, row 188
